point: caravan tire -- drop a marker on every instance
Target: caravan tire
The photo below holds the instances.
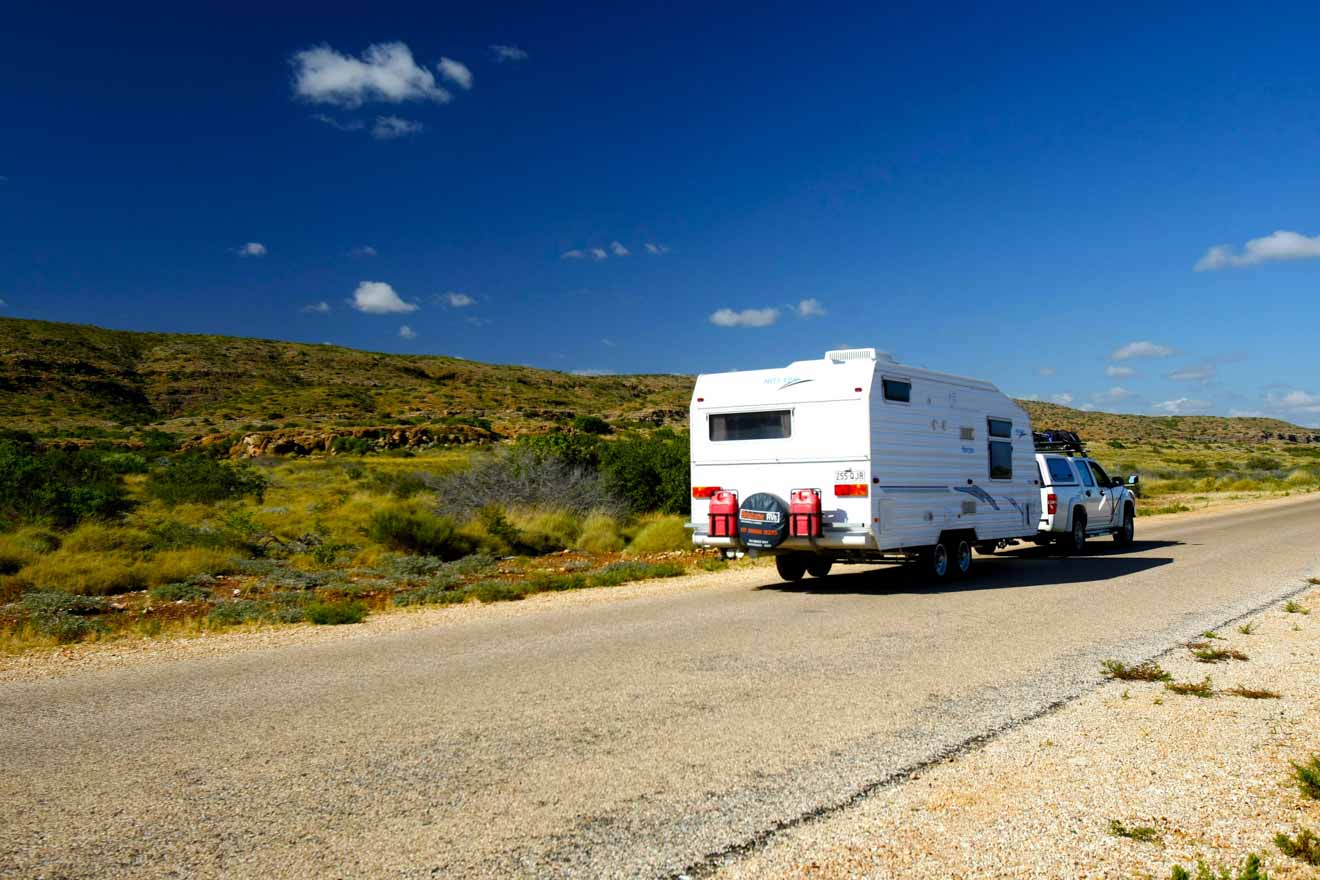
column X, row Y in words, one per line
column 819, row 566
column 938, row 562
column 791, row 566
column 960, row 560
column 1124, row 534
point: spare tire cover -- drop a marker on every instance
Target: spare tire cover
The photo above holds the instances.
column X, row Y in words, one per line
column 763, row 521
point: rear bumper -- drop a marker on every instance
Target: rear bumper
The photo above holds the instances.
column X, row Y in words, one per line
column 850, row 537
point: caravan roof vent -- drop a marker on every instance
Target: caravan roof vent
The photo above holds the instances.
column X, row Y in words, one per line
column 843, row 355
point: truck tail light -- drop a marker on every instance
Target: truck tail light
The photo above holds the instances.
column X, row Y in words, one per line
column 722, row 518
column 804, row 519
column 850, row 490
column 1051, row 504
column 704, row 491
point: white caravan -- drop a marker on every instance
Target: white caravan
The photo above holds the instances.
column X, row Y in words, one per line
column 857, row 458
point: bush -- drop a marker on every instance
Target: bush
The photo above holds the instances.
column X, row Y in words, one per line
column 1263, row 463
column 548, row 530
column 1305, row 847
column 575, row 450
column 592, row 425
column 125, row 463
column 184, row 591
column 1250, row 870
column 180, row 565
column 418, row 532
column 401, row 486
column 236, row 612
column 197, row 479
column 525, row 478
column 440, row 593
column 600, row 534
column 661, row 533
column 649, row 473
column 334, row 613
column 60, row 615
column 56, row 486
column 497, row 591
column 1307, row 777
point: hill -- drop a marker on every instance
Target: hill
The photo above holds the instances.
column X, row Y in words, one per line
column 80, row 381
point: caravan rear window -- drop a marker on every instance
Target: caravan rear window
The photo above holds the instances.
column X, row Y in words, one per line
column 773, row 425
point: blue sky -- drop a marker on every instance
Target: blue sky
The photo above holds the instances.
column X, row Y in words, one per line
column 1016, row 195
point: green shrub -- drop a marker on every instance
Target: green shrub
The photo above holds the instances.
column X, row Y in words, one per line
column 1148, row 671
column 65, row 617
column 1142, row 833
column 56, row 486
column 401, row 486
column 197, row 479
column 497, row 591
column 713, row 564
column 659, row 534
column 335, row 613
column 1305, row 847
column 547, row 530
column 651, row 473
column 623, row 572
column 185, row 591
column 592, row 425
column 574, row 450
column 85, row 574
column 417, row 532
column 438, row 593
column 125, row 463
column 1263, row 463
column 600, row 534
column 554, row 583
column 1307, row 777
column 1250, row 870
column 235, row 612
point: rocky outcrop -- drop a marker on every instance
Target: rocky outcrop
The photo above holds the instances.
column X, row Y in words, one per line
column 292, row 441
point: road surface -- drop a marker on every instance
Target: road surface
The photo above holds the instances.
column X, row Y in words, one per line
column 632, row 738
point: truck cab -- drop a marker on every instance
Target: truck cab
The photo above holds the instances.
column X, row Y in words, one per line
column 1079, row 499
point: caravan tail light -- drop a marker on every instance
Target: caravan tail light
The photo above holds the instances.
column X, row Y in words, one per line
column 704, row 491
column 804, row 513
column 723, row 515
column 1051, row 504
column 850, row 490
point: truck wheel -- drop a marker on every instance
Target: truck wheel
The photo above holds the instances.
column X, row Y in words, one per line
column 819, row 566
column 1123, row 536
column 937, row 561
column 1075, row 540
column 791, row 566
column 961, row 559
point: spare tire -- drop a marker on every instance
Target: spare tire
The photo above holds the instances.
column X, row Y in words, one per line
column 763, row 521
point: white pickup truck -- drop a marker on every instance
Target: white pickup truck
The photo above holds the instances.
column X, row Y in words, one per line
column 1078, row 500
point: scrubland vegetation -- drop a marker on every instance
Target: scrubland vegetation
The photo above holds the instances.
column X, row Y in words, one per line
column 107, row 542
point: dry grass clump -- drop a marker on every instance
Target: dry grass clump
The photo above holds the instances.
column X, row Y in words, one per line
column 1293, row 607
column 657, row 533
column 1147, row 671
column 600, row 533
column 108, row 573
column 1205, row 653
column 1203, row 688
column 1142, row 833
column 1252, row 693
column 96, row 537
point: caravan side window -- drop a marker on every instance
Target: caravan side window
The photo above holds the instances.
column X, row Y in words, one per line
column 1001, row 451
column 897, row 390
column 772, row 425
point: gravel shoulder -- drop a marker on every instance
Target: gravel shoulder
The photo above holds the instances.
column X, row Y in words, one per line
column 130, row 652
column 1211, row 776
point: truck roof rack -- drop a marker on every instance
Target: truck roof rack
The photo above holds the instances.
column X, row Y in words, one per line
column 1065, row 442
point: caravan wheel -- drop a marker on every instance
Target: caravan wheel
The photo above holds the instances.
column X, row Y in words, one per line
column 962, row 558
column 819, row 566
column 791, row 566
column 936, row 561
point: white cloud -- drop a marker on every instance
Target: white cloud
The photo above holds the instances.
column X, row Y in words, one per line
column 348, row 125
column 1087, row 407
column 1278, row 245
column 1114, row 371
column 385, row 72
column 387, row 128
column 5, row 305
column 609, row 342
column 252, row 249
column 319, row 308
column 1246, row 413
column 504, row 53
column 456, row 300
column 574, row 254
column 656, row 248
column 455, row 72
column 406, row 332
column 745, row 318
column 378, row 298
column 1180, row 406
column 1142, row 349
column 1299, row 402
column 1046, row 371
column 365, row 250
column 1197, row 373
column 597, row 253
column 594, row 373
column 618, row 249
column 1113, row 395
column 1062, row 399
column 809, row 308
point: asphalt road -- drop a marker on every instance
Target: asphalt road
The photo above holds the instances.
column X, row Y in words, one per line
column 622, row 738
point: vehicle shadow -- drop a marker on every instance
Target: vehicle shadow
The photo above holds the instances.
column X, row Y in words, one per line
column 1029, row 567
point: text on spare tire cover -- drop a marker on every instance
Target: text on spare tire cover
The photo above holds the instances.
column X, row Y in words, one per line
column 763, row 521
